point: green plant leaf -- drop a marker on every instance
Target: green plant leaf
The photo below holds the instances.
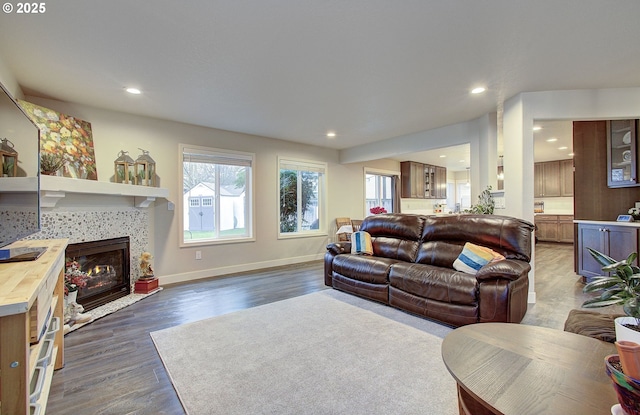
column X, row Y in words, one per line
column 601, row 283
column 614, row 266
column 601, row 258
column 597, row 302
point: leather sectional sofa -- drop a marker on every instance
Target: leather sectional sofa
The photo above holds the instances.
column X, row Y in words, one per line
column 412, row 267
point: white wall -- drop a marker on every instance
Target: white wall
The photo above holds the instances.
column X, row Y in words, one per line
column 113, row 131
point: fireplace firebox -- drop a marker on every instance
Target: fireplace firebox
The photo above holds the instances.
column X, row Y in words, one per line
column 106, row 262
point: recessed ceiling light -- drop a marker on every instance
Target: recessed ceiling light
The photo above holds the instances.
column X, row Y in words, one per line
column 134, row 91
column 571, row 154
column 463, row 161
column 331, row 134
column 563, row 148
column 551, row 140
column 537, row 128
column 443, row 156
column 478, row 90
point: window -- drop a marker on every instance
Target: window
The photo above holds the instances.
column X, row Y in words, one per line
column 302, row 197
column 217, row 195
column 379, row 191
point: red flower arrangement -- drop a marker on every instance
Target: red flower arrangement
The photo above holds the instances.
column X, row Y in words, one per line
column 74, row 277
column 377, row 209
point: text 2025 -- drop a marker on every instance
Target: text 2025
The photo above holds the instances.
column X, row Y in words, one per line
column 31, row 8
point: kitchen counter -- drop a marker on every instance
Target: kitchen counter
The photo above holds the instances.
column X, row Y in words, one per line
column 607, row 223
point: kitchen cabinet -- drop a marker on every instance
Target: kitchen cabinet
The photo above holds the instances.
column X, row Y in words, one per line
column 566, row 177
column 622, row 153
column 554, row 228
column 31, row 304
column 412, row 184
column 614, row 239
column 423, row 181
column 593, row 199
column 553, row 178
column 439, row 187
column 566, row 229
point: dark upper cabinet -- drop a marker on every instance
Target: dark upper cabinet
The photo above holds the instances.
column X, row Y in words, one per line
column 566, row 177
column 423, row 181
column 412, row 179
column 553, row 178
column 593, row 198
column 622, row 153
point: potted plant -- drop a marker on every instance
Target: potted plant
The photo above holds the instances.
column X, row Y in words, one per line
column 50, row 163
column 485, row 205
column 620, row 287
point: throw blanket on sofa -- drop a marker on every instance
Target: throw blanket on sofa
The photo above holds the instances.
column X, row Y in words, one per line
column 361, row 243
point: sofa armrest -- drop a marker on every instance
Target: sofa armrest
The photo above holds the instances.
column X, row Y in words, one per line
column 333, row 249
column 338, row 248
column 510, row 269
column 503, row 289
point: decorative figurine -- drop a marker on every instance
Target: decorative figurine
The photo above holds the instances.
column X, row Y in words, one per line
column 145, row 266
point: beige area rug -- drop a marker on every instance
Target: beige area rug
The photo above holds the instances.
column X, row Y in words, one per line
column 321, row 353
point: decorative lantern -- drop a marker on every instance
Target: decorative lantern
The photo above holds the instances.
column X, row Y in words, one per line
column 124, row 170
column 9, row 158
column 145, row 169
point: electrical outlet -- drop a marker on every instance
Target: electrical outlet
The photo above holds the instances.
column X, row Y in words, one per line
column 198, row 254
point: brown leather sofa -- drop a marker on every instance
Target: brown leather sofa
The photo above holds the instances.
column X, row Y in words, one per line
column 412, row 267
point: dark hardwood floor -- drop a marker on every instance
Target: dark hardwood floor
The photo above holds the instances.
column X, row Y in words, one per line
column 112, row 366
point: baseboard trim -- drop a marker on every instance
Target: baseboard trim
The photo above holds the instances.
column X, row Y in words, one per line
column 532, row 297
column 252, row 266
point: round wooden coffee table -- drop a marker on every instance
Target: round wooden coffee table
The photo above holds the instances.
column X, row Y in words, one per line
column 515, row 369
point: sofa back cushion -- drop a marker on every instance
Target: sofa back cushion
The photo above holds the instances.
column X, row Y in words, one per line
column 444, row 237
column 395, row 236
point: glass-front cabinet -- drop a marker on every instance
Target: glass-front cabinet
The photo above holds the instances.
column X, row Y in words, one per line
column 622, row 155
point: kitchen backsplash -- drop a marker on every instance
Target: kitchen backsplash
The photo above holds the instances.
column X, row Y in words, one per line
column 557, row 205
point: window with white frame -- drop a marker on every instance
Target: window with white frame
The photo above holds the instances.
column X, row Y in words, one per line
column 379, row 191
column 217, row 195
column 302, row 197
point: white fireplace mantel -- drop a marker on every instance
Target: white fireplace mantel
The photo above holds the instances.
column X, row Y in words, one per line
column 54, row 188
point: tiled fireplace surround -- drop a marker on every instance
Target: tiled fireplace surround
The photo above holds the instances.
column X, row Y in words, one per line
column 97, row 211
column 97, row 224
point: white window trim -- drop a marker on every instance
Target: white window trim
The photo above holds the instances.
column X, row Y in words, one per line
column 380, row 172
column 323, row 200
column 250, row 196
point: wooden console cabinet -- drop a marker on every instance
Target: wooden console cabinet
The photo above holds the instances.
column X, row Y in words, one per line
column 31, row 298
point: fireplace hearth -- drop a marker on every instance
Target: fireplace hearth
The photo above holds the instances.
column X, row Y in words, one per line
column 106, row 262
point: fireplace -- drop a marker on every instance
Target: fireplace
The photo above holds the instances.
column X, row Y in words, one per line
column 106, row 262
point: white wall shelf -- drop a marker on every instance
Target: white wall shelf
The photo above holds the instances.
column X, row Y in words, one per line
column 54, row 188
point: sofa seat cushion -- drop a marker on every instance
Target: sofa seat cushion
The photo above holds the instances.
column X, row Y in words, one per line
column 435, row 283
column 369, row 269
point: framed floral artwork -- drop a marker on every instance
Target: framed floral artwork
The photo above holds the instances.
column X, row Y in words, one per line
column 64, row 138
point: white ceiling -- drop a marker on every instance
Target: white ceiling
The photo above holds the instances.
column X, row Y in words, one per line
column 295, row 69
